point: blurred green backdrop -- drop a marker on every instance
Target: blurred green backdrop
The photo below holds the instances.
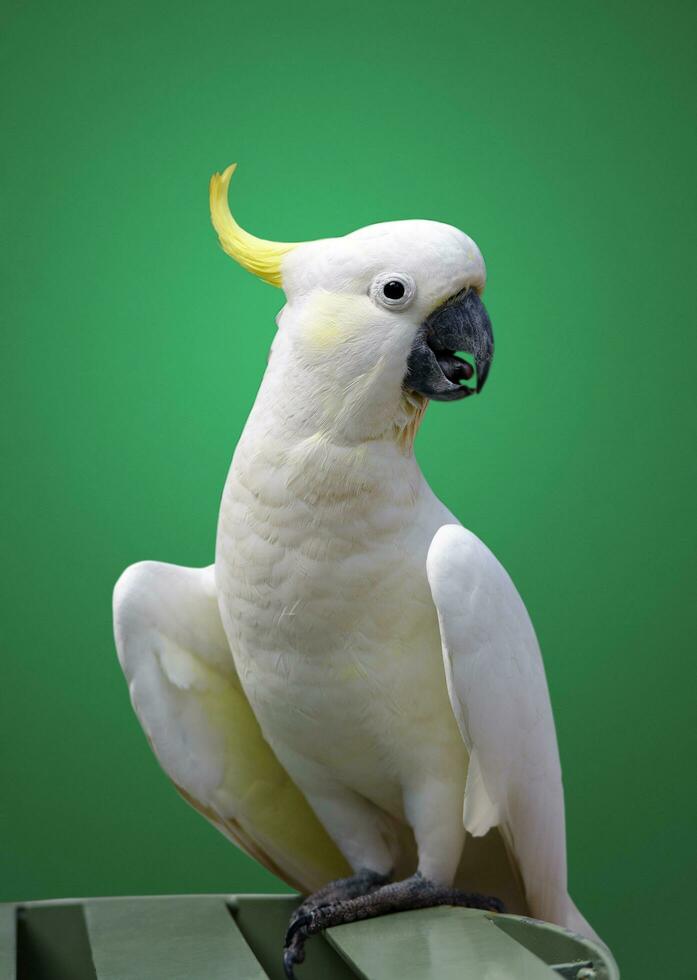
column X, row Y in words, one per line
column 562, row 137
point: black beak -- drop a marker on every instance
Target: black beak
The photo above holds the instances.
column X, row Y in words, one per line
column 460, row 325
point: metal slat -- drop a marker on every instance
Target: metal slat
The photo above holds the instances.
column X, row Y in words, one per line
column 8, row 943
column 447, row 943
column 168, row 939
column 52, row 942
column 263, row 921
column 563, row 950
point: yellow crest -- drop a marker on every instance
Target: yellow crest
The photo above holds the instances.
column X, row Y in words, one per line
column 255, row 254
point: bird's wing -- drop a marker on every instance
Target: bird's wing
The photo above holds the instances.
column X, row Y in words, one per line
column 498, row 691
column 189, row 700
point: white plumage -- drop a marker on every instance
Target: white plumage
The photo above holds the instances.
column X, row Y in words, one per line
column 356, row 681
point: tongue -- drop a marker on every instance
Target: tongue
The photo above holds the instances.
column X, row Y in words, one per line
column 455, row 370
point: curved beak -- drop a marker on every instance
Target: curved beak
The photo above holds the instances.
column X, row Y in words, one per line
column 460, row 325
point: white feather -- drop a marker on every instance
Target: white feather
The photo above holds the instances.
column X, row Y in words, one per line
column 498, row 692
column 187, row 696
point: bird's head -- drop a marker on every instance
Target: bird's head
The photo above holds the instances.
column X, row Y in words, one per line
column 387, row 313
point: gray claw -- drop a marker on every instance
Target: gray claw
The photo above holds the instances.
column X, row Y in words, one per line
column 289, row 962
column 297, row 923
column 293, row 955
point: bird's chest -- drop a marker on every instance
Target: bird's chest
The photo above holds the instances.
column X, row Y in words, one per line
column 327, row 607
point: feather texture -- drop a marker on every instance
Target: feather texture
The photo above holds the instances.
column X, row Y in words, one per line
column 185, row 691
column 498, row 692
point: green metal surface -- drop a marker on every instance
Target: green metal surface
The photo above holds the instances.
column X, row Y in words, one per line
column 443, row 943
column 219, row 937
column 8, row 943
column 168, row 939
column 568, row 952
column 52, row 943
column 263, row 920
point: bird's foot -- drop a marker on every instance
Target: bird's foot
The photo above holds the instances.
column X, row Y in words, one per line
column 416, row 892
column 362, row 883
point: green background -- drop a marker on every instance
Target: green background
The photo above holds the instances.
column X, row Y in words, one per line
column 561, row 136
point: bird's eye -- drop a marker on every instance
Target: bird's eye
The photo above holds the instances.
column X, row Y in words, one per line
column 393, row 290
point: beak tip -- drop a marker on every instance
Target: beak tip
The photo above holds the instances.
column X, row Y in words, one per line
column 482, row 377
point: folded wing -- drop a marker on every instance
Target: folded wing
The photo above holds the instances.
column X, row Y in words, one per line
column 499, row 696
column 188, row 698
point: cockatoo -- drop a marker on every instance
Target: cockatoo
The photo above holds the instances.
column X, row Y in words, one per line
column 353, row 692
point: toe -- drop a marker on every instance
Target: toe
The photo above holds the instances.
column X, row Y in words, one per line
column 297, row 927
column 489, row 903
column 293, row 955
column 473, row 900
column 289, row 963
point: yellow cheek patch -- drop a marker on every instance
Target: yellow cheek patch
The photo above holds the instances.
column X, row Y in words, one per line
column 321, row 334
column 330, row 320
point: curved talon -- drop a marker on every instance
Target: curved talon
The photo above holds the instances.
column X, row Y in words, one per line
column 489, row 903
column 302, row 916
column 290, row 960
column 296, row 925
column 496, row 905
column 294, row 953
column 474, row 900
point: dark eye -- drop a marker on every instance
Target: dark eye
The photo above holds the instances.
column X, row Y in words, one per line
column 394, row 289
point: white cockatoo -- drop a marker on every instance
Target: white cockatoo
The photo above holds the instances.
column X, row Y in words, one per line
column 353, row 691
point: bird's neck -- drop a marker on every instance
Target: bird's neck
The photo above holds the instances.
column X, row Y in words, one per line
column 299, row 401
column 319, row 445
